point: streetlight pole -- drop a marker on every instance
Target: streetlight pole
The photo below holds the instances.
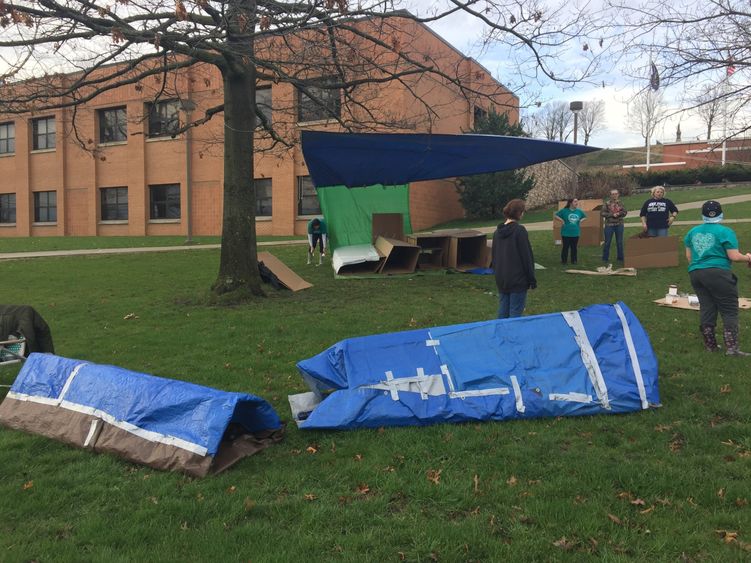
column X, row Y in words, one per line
column 576, row 107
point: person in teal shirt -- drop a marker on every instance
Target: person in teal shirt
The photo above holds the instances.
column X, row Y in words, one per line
column 570, row 217
column 710, row 249
column 317, row 235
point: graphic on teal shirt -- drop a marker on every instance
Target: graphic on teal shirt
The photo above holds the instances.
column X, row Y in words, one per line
column 709, row 244
column 571, row 219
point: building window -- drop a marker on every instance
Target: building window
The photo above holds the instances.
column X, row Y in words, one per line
column 263, row 105
column 307, row 199
column 113, row 125
column 7, row 208
column 324, row 101
column 43, row 133
column 114, row 203
column 164, row 118
column 263, row 197
column 480, row 113
column 165, row 201
column 45, row 207
column 7, row 138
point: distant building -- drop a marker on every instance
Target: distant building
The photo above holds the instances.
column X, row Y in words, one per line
column 693, row 154
column 120, row 171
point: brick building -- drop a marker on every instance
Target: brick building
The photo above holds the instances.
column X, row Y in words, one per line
column 112, row 167
column 694, row 154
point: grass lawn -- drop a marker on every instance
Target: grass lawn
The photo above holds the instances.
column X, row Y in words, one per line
column 667, row 484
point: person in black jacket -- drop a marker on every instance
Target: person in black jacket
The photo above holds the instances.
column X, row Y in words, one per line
column 513, row 261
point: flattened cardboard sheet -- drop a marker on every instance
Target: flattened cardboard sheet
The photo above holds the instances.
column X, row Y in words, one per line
column 387, row 225
column 605, row 271
column 651, row 252
column 286, row 276
column 681, row 302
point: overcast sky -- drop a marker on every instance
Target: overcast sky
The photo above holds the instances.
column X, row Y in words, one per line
column 615, row 90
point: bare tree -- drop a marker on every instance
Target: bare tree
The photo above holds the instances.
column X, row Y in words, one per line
column 592, row 118
column 552, row 122
column 61, row 54
column 645, row 111
column 709, row 106
column 694, row 44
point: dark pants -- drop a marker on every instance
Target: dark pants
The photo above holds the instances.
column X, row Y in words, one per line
column 717, row 290
column 611, row 230
column 512, row 304
column 569, row 243
column 317, row 240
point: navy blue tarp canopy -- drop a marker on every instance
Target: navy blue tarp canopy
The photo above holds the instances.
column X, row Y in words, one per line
column 364, row 159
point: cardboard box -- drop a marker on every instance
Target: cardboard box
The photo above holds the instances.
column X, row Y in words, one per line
column 652, row 252
column 387, row 225
column 467, row 250
column 434, row 250
column 591, row 228
column 399, row 257
column 287, row 277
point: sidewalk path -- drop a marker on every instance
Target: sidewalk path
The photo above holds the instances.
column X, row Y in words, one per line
column 540, row 226
column 102, row 251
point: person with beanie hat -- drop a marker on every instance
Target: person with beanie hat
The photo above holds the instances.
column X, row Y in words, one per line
column 710, row 249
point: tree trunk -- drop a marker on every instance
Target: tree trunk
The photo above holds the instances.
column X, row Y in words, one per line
column 238, row 266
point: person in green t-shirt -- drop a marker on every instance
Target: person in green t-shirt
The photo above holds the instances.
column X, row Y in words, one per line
column 710, row 249
column 570, row 217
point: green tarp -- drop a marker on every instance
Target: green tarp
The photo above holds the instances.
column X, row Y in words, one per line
column 348, row 212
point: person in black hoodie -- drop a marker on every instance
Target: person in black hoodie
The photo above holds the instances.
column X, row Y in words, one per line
column 513, row 261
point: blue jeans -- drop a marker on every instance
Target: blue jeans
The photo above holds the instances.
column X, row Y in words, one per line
column 611, row 230
column 658, row 232
column 512, row 304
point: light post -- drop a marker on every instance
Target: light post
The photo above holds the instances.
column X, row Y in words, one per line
column 576, row 107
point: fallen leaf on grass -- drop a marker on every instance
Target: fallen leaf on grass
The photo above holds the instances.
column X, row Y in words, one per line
column 130, row 317
column 579, row 499
column 476, row 483
column 638, row 502
column 154, row 500
column 512, row 481
column 564, row 544
column 663, row 427
column 184, row 526
column 721, row 492
column 27, row 485
column 647, row 510
column 309, row 496
column 389, row 469
column 613, row 518
column 727, row 536
column 625, row 495
column 434, row 476
column 231, row 489
column 726, row 388
column 312, row 449
column 358, row 457
column 249, row 504
column 363, row 489
column 739, row 502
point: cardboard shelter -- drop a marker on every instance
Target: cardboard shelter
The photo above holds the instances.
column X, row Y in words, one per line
column 602, row 363
column 399, row 257
column 388, row 225
column 284, row 274
column 651, row 252
column 434, row 250
column 591, row 227
column 163, row 423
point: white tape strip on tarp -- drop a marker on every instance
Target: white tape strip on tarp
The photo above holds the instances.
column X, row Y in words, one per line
column 425, row 385
column 445, row 371
column 92, row 432
column 634, row 357
column 68, row 381
column 128, row 427
column 432, row 343
column 479, row 393
column 573, row 319
column 517, row 394
column 573, row 397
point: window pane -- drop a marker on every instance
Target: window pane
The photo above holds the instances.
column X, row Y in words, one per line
column 7, row 208
column 164, row 118
column 7, row 138
column 263, row 197
column 114, row 204
column 43, row 133
column 322, row 103
column 45, row 207
column 263, row 105
column 113, row 125
column 165, row 201
column 307, row 199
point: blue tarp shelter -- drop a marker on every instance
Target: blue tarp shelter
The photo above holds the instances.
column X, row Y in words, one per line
column 164, row 423
column 597, row 360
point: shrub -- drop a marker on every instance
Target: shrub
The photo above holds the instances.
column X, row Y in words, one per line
column 689, row 176
column 597, row 185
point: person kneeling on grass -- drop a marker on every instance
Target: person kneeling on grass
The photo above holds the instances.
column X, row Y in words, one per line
column 710, row 248
column 317, row 235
